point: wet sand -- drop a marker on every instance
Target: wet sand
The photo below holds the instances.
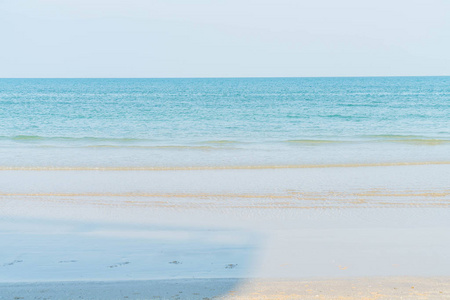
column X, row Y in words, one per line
column 234, row 289
column 375, row 232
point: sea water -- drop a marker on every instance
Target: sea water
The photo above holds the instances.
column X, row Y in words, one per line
column 223, row 121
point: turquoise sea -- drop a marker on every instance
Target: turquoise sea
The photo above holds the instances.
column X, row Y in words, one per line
column 223, row 122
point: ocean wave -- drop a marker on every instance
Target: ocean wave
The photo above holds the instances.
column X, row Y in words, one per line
column 174, row 147
column 200, row 168
column 143, row 143
column 314, row 142
column 430, row 142
column 220, row 142
column 26, row 138
column 401, row 139
column 408, row 139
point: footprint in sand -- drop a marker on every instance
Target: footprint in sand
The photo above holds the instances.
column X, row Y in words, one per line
column 67, row 261
column 230, row 266
column 119, row 264
column 12, row 263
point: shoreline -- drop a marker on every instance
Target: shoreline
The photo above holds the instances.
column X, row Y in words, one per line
column 235, row 167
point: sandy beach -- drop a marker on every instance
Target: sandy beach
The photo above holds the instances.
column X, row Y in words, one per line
column 375, row 232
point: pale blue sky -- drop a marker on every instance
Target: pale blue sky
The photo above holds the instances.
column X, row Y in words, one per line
column 223, row 38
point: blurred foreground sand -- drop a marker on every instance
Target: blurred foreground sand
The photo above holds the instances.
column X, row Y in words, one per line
column 357, row 288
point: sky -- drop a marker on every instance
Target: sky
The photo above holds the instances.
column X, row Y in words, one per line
column 224, row 38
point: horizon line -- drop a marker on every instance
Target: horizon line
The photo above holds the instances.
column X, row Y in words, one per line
column 232, row 77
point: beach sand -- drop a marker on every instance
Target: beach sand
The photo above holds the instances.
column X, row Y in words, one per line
column 351, row 288
column 354, row 288
column 375, row 232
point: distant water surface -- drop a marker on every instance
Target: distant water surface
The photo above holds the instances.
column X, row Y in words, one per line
column 222, row 122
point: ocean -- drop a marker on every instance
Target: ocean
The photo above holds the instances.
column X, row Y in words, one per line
column 223, row 121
